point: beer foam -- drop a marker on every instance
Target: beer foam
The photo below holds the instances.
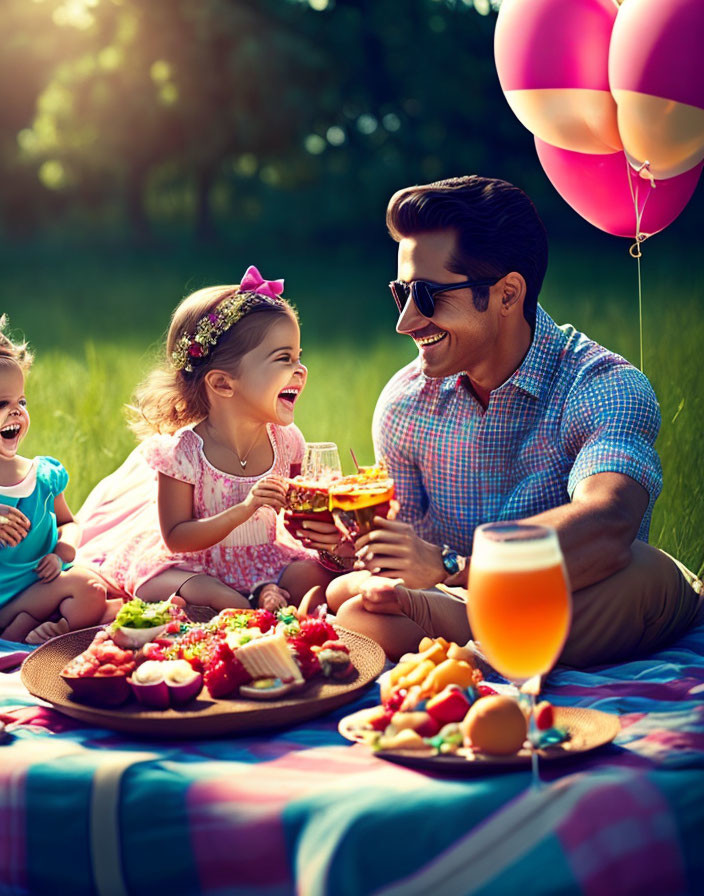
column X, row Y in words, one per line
column 523, row 553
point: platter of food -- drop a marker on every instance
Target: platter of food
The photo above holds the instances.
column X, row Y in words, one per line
column 237, row 672
column 437, row 713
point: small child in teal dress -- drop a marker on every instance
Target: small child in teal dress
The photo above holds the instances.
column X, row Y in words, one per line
column 41, row 594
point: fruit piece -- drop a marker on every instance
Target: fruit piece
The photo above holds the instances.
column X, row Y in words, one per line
column 495, row 725
column 395, row 699
column 485, row 690
column 224, row 673
column 408, row 739
column 148, row 685
column 400, row 670
column 183, row 681
column 307, row 661
column 421, row 722
column 450, row 705
column 455, row 652
column 316, row 631
column 544, row 715
column 418, row 674
column 413, row 699
column 449, row 672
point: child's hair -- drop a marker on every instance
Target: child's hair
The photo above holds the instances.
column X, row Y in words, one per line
column 18, row 352
column 170, row 398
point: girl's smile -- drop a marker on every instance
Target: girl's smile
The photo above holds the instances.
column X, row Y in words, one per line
column 14, row 417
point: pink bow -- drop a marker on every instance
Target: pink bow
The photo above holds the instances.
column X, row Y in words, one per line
column 254, row 282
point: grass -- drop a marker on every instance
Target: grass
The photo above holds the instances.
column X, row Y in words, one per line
column 96, row 319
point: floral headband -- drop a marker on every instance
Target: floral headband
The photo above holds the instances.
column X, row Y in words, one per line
column 192, row 348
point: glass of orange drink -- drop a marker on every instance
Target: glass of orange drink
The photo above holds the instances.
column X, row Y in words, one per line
column 519, row 602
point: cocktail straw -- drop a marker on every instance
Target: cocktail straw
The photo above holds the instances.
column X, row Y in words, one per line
column 355, row 460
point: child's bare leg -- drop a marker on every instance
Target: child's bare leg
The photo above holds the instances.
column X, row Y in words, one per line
column 86, row 604
column 200, row 590
column 344, row 587
column 300, row 576
column 20, row 627
column 76, row 593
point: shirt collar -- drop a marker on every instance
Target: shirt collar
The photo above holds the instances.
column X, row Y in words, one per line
column 535, row 372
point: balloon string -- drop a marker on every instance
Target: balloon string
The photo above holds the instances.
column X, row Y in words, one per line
column 635, row 250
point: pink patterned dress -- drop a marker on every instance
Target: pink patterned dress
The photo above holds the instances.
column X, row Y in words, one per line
column 120, row 522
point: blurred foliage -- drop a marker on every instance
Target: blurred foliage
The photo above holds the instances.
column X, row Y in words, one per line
column 304, row 115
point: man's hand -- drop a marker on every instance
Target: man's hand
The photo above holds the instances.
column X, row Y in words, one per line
column 320, row 536
column 14, row 525
column 380, row 595
column 49, row 567
column 393, row 549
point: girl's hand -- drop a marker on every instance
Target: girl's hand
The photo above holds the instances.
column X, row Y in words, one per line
column 14, row 525
column 49, row 567
column 273, row 598
column 267, row 492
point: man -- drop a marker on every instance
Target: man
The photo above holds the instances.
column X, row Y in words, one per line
column 505, row 415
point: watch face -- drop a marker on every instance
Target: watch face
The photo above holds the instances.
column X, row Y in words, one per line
column 450, row 562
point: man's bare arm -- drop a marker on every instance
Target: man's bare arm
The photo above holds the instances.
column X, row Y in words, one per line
column 597, row 528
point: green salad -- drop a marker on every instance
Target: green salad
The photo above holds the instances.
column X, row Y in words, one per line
column 140, row 614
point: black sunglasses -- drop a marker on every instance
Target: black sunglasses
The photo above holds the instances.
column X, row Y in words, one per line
column 424, row 292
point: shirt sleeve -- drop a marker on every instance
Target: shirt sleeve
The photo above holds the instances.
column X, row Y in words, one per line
column 174, row 455
column 55, row 475
column 392, row 426
column 610, row 425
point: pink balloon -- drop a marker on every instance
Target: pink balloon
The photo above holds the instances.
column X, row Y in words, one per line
column 552, row 61
column 597, row 188
column 656, row 74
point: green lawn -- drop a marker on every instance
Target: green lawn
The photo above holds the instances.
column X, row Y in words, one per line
column 96, row 319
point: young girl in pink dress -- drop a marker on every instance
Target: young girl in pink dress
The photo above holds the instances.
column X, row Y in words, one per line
column 193, row 509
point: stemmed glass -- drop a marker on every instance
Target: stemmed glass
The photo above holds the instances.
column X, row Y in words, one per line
column 321, row 461
column 519, row 602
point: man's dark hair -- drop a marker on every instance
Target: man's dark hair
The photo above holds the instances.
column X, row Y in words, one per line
column 498, row 230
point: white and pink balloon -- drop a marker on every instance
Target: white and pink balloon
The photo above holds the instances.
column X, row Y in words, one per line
column 614, row 95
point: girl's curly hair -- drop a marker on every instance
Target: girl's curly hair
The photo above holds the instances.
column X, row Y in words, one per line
column 15, row 351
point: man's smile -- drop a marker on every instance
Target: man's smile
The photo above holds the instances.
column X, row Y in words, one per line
column 431, row 339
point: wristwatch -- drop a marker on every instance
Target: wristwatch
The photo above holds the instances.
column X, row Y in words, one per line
column 452, row 561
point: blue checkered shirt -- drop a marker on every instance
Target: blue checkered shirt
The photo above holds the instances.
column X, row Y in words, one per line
column 572, row 409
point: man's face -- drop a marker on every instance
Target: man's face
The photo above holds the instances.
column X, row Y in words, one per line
column 457, row 338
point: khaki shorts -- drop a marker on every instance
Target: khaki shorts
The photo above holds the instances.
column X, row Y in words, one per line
column 638, row 610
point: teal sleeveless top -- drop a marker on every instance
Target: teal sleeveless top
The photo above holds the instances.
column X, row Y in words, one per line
column 34, row 496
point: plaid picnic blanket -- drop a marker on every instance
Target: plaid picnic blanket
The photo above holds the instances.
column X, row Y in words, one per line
column 88, row 811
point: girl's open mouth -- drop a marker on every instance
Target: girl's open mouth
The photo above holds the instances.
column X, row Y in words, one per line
column 10, row 432
column 289, row 396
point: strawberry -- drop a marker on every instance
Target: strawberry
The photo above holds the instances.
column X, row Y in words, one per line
column 395, row 699
column 304, row 656
column 316, row 631
column 544, row 715
column 336, row 645
column 262, row 619
column 224, row 673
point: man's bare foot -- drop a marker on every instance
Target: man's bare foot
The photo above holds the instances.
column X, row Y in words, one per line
column 46, row 631
column 273, row 598
column 312, row 601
